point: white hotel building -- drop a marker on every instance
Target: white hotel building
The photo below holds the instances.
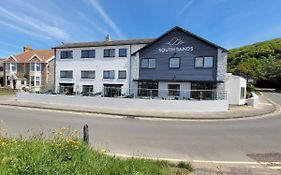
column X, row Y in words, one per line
column 95, row 67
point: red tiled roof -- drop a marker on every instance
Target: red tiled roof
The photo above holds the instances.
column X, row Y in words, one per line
column 43, row 55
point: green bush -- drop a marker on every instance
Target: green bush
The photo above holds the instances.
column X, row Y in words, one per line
column 62, row 153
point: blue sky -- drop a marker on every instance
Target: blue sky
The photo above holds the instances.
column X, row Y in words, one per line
column 46, row 23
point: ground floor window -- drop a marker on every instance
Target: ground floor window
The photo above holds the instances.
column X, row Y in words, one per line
column 87, row 90
column 148, row 89
column 112, row 90
column 35, row 81
column 242, row 93
column 203, row 91
column 66, row 88
column 173, row 89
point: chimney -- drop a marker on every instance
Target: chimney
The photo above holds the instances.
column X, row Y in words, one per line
column 107, row 38
column 27, row 48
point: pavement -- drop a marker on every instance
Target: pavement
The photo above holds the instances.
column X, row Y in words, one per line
column 235, row 112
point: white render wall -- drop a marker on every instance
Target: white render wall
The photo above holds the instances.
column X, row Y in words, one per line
column 233, row 84
column 126, row 105
column 98, row 64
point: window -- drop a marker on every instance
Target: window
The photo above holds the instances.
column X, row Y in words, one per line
column 37, row 82
column 174, row 63
column 66, row 73
column 13, row 66
column 108, row 74
column 66, row 54
column 1, row 69
column 87, row 89
column 148, row 89
column 173, row 89
column 122, row 74
column 204, row 62
column 35, row 67
column 148, row 63
column 88, row 54
column 32, row 81
column 242, row 93
column 88, row 74
column 123, row 52
column 205, row 91
column 109, row 52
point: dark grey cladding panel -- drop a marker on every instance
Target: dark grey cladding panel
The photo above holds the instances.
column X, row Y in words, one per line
column 186, row 70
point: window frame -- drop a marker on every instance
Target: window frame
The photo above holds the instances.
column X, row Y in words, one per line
column 148, row 64
column 88, row 53
column 242, row 93
column 109, row 77
column 174, row 92
column 178, row 65
column 33, row 67
column 126, row 52
column 88, row 74
column 67, row 56
column 108, row 56
column 67, row 71
column 122, row 78
column 203, row 63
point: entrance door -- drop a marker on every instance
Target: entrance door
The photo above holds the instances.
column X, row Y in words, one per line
column 112, row 90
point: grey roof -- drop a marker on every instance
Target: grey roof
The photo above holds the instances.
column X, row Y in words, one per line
column 185, row 31
column 105, row 43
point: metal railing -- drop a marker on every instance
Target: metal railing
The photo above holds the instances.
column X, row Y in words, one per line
column 164, row 94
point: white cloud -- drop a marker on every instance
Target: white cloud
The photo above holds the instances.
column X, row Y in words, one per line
column 22, row 30
column 46, row 29
column 189, row 3
column 106, row 18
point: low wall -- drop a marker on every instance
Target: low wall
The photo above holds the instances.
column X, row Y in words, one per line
column 120, row 104
column 254, row 100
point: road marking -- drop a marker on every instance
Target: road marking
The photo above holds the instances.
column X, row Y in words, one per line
column 196, row 161
column 237, row 162
column 274, row 167
column 59, row 111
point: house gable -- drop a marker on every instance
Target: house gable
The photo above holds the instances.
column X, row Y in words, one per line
column 184, row 45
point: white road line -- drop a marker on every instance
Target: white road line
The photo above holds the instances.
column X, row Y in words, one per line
column 197, row 161
column 274, row 167
column 69, row 112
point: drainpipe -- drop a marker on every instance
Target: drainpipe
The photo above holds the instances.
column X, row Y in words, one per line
column 129, row 73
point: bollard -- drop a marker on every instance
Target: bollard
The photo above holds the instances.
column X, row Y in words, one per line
column 86, row 134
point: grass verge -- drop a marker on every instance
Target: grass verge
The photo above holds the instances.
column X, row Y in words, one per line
column 3, row 92
column 62, row 152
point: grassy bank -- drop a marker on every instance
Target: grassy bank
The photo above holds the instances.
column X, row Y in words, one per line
column 62, row 152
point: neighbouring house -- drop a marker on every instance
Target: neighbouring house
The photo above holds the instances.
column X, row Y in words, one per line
column 176, row 65
column 236, row 86
column 1, row 72
column 101, row 67
column 180, row 65
column 31, row 70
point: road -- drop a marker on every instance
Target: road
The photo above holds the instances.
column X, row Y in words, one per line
column 189, row 140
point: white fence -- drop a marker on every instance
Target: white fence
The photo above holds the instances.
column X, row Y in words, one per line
column 126, row 104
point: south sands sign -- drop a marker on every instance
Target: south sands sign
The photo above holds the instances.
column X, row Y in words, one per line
column 175, row 42
column 176, row 49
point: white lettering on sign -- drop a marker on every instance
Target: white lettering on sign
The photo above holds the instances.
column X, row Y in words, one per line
column 176, row 49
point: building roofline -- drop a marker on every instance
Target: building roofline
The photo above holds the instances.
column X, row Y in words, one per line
column 185, row 31
column 105, row 43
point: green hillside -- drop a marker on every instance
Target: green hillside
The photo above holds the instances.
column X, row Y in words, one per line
column 260, row 61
